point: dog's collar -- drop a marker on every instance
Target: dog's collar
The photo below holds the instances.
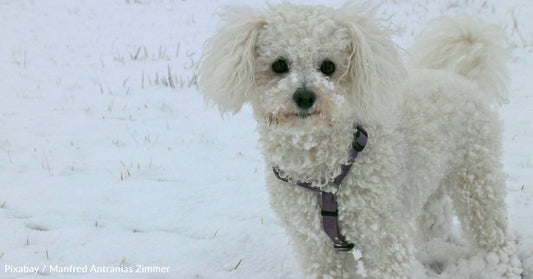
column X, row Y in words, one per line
column 330, row 211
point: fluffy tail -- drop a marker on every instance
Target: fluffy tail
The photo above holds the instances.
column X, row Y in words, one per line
column 470, row 47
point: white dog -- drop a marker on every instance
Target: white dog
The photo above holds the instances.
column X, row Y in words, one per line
column 317, row 78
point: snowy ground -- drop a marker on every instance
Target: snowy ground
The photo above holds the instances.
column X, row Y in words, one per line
column 109, row 157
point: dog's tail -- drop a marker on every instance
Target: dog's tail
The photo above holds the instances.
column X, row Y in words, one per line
column 467, row 46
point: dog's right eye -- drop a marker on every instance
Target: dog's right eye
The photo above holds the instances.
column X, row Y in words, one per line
column 280, row 66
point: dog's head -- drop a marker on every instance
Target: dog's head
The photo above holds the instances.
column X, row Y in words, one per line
column 303, row 66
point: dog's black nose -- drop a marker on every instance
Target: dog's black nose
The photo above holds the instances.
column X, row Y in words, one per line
column 304, row 98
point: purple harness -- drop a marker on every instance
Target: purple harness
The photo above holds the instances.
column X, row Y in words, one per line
column 330, row 213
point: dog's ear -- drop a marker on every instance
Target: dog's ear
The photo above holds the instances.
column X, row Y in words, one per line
column 226, row 74
column 375, row 69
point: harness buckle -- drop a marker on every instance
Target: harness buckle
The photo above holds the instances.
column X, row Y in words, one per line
column 329, row 213
column 344, row 247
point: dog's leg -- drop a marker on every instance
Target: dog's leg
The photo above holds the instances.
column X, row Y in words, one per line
column 437, row 217
column 317, row 256
column 386, row 251
column 434, row 229
column 478, row 195
column 299, row 210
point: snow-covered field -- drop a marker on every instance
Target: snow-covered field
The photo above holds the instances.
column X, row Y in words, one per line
column 109, row 157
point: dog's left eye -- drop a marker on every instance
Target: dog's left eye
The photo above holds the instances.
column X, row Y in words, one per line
column 327, row 67
column 280, row 66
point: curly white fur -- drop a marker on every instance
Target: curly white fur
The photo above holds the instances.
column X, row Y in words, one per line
column 433, row 136
column 469, row 47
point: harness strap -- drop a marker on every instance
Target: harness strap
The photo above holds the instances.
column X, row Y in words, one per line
column 329, row 211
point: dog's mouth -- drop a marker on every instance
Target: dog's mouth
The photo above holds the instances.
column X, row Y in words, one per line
column 291, row 116
column 304, row 114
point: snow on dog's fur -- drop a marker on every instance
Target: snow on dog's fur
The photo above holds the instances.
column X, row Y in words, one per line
column 433, row 136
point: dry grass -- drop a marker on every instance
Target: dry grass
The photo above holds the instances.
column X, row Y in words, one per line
column 184, row 77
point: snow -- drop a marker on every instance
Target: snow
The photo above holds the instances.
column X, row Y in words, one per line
column 106, row 162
